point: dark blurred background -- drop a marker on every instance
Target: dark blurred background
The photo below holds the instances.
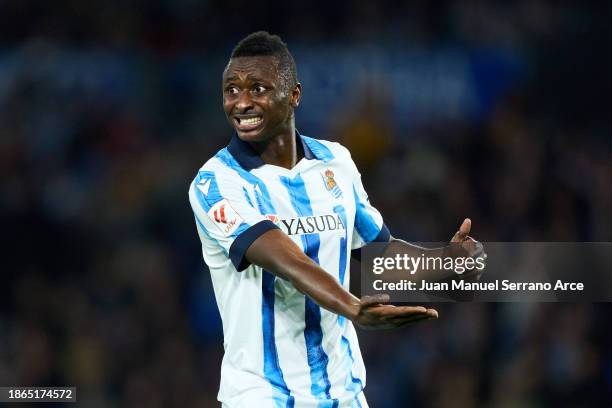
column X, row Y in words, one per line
column 494, row 110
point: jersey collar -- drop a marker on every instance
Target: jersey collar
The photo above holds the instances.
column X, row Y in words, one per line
column 249, row 159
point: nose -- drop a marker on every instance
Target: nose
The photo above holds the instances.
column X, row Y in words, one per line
column 244, row 102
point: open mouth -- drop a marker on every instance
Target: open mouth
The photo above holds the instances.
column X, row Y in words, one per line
column 248, row 123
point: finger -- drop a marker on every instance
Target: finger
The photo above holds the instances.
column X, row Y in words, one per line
column 428, row 314
column 375, row 299
column 463, row 232
column 409, row 321
column 406, row 311
column 464, row 229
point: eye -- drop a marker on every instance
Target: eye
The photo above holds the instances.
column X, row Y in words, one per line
column 259, row 89
column 231, row 90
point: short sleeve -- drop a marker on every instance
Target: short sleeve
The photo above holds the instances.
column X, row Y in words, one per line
column 369, row 225
column 225, row 213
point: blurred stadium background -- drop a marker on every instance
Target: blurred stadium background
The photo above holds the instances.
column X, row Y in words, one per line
column 494, row 110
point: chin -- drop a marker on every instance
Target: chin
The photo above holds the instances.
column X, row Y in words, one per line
column 252, row 136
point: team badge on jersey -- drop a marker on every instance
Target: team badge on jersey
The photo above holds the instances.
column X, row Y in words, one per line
column 225, row 217
column 330, row 183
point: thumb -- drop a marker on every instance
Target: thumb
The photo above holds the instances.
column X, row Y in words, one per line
column 374, row 300
column 465, row 228
column 464, row 231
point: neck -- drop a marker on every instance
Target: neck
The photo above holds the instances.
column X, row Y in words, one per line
column 281, row 150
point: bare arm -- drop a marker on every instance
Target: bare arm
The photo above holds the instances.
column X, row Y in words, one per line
column 279, row 255
column 461, row 245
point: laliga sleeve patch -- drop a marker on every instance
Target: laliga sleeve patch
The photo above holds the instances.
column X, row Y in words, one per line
column 224, row 217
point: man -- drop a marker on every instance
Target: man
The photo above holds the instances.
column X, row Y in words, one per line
column 278, row 214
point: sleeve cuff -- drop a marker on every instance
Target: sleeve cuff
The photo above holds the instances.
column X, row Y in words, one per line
column 244, row 241
column 383, row 236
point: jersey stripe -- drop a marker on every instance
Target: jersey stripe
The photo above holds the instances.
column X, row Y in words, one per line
column 313, row 333
column 364, row 223
column 272, row 370
column 262, row 196
column 356, row 403
column 352, row 384
column 248, row 197
column 339, row 209
column 281, row 394
column 321, row 151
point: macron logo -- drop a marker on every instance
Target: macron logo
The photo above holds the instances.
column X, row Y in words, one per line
column 204, row 186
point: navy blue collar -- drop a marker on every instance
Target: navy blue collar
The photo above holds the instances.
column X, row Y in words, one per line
column 249, row 159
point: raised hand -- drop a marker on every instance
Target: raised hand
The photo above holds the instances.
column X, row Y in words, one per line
column 469, row 244
column 464, row 231
column 375, row 313
column 472, row 247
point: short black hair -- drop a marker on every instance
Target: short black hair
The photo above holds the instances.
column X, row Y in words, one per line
column 262, row 43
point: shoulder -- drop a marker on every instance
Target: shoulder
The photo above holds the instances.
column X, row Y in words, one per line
column 220, row 167
column 326, row 149
column 332, row 151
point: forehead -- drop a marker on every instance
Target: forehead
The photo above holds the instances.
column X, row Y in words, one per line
column 259, row 67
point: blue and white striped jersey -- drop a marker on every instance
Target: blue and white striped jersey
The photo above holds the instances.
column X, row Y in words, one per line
column 281, row 348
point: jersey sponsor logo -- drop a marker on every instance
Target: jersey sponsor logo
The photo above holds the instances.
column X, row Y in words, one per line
column 272, row 217
column 225, row 217
column 330, row 183
column 312, row 224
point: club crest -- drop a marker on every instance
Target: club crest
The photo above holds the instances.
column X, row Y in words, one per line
column 330, row 183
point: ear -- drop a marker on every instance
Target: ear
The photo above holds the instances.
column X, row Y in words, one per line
column 296, row 95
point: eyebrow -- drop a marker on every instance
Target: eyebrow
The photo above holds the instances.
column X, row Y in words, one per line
column 250, row 77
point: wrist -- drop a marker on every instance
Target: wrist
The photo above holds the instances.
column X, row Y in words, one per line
column 352, row 310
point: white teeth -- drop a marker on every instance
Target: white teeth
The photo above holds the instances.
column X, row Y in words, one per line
column 251, row 121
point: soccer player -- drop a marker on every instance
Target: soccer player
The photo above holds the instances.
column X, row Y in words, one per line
column 278, row 214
